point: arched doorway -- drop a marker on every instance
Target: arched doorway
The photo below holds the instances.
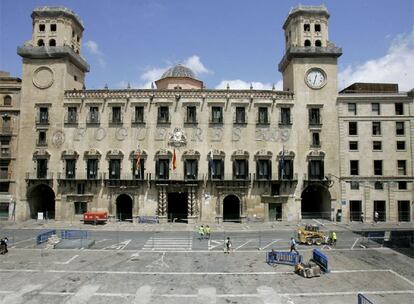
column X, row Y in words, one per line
column 231, row 208
column 124, row 207
column 41, row 198
column 316, row 202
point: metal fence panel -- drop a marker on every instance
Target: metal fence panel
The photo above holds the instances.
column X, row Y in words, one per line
column 44, row 236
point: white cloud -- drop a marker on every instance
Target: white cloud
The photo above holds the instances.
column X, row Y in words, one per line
column 93, row 48
column 396, row 66
column 242, row 85
column 195, row 64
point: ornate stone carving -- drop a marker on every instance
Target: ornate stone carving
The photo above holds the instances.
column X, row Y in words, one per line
column 58, row 139
column 43, row 77
column 177, row 138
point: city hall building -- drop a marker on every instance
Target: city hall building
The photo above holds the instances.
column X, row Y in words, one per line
column 183, row 152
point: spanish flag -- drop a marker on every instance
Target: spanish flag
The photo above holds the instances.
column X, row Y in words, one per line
column 174, row 162
column 138, row 162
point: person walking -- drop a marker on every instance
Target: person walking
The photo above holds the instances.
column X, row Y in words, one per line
column 362, row 216
column 333, row 238
column 3, row 245
column 201, row 232
column 227, row 247
column 207, row 231
column 293, row 245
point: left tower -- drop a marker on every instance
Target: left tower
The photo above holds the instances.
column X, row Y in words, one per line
column 52, row 63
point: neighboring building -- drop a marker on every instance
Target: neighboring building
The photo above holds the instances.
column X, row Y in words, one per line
column 376, row 152
column 181, row 151
column 10, row 114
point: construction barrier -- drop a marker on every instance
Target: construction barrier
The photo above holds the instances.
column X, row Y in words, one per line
column 363, row 300
column 44, row 236
column 283, row 257
column 321, row 259
column 73, row 234
column 148, row 219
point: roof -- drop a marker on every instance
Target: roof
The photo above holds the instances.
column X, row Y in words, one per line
column 365, row 87
column 179, row 71
column 317, row 10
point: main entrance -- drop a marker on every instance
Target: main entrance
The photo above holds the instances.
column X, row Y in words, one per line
column 316, row 202
column 275, row 212
column 177, row 207
column 124, row 207
column 41, row 199
column 355, row 211
column 231, row 209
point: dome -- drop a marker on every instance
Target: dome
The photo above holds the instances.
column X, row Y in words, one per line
column 179, row 71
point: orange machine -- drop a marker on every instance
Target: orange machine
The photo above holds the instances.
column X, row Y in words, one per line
column 95, row 217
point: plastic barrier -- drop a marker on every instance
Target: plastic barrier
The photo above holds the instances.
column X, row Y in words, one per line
column 44, row 236
column 148, row 219
column 363, row 300
column 283, row 257
column 321, row 259
column 73, row 234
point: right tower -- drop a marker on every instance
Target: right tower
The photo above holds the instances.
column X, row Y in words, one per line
column 309, row 69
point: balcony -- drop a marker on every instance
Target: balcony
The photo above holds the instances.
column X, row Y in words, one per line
column 71, row 120
column 42, row 177
column 176, row 179
column 64, row 178
column 231, row 181
column 317, row 179
column 125, row 180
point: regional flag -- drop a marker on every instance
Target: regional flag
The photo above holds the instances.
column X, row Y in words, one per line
column 174, row 162
column 138, row 162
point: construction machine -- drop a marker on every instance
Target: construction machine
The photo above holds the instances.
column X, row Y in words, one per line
column 310, row 234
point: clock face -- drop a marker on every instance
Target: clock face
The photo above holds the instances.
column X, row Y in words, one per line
column 315, row 78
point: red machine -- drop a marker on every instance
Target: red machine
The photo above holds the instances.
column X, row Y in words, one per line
column 95, row 217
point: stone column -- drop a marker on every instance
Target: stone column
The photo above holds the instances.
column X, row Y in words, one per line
column 192, row 206
column 162, row 205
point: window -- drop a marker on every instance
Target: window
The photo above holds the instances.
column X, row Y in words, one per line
column 376, row 108
column 7, row 100
column 162, row 168
column 191, row 169
column 93, row 115
column 216, row 168
column 114, row 168
column 75, row 77
column 163, row 115
column 378, row 185
column 401, row 167
column 6, row 124
column 4, row 170
column 53, row 27
column 263, row 170
column 138, row 169
column 4, row 187
column 399, row 108
column 354, row 185
column 139, row 115
column 40, row 42
column 376, row 128
column 318, row 43
column 307, row 42
column 41, row 138
column 42, row 27
column 402, row 185
column 377, row 145
column 352, row 108
column 70, row 168
column 286, row 169
column 316, row 169
column 377, row 167
column 275, row 190
column 404, row 211
column 216, row 114
column 191, row 114
column 314, row 116
column 72, row 115
column 240, row 169
column 52, row 42
column 240, row 115
column 41, row 168
column 263, row 117
column 77, row 39
column 315, row 140
column 306, row 27
column 81, row 207
column 80, row 188
column 400, row 145
column 92, row 168
column 285, row 116
column 116, row 117
column 352, row 128
column 43, row 115
column 399, row 128
column 354, row 167
column 317, row 27
column 353, row 145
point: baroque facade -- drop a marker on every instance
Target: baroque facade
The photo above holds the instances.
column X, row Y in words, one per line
column 182, row 152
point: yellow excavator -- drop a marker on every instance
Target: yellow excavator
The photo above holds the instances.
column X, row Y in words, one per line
column 310, row 234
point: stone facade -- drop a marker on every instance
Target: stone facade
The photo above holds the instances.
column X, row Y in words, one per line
column 180, row 151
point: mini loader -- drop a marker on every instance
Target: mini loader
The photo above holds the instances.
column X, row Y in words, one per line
column 310, row 234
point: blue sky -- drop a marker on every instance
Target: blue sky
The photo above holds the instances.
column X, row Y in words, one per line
column 223, row 41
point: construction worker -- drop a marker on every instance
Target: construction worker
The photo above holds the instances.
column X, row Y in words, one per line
column 333, row 237
column 207, row 232
column 201, row 232
column 293, row 245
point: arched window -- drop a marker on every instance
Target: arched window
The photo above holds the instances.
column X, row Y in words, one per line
column 318, row 43
column 7, row 100
column 40, row 42
column 307, row 42
column 52, row 42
